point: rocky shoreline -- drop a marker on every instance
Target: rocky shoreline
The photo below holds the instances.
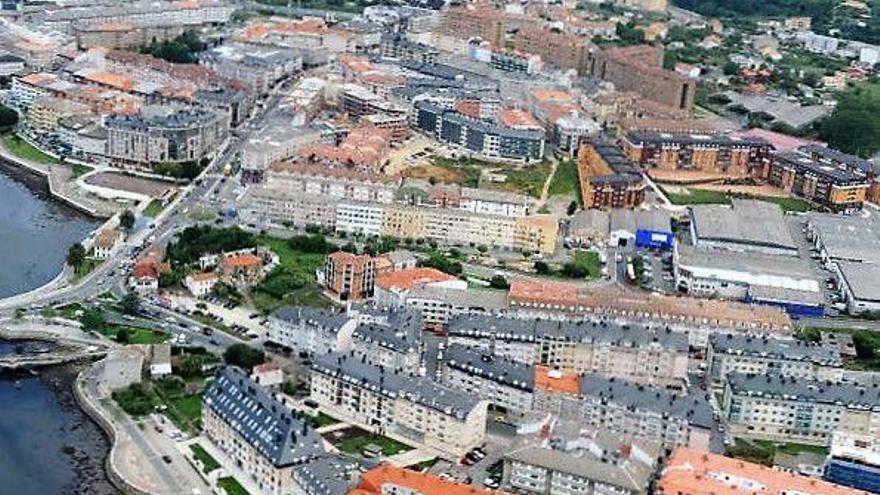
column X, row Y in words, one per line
column 83, row 444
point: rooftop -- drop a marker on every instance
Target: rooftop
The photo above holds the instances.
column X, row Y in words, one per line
column 269, row 427
column 412, row 277
column 852, row 238
column 845, row 394
column 702, row 473
column 745, row 222
column 394, row 384
column 773, row 348
column 862, row 279
column 311, row 316
column 378, row 480
column 475, row 361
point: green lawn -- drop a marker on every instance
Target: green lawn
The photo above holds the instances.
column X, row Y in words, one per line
column 208, row 463
column 320, row 420
column 526, row 179
column 590, row 261
column 154, row 208
column 88, row 265
column 565, row 181
column 144, row 336
column 792, row 448
column 79, row 169
column 697, row 197
column 231, row 487
column 787, row 204
column 292, row 282
column 355, row 445
column 22, row 149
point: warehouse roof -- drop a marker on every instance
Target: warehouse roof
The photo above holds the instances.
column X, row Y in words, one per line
column 393, row 384
column 853, row 238
column 772, row 348
column 745, row 222
column 846, row 394
column 749, row 268
column 269, row 427
column 863, row 279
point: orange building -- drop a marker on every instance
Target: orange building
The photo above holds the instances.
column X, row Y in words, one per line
column 390, row 480
column 349, row 277
column 691, row 472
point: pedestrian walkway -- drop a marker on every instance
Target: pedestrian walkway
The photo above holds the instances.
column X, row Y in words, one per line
column 412, row 457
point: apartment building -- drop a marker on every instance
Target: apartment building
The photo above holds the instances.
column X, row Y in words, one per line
column 561, row 50
column 586, row 462
column 387, row 479
column 163, row 13
column 639, row 69
column 632, row 410
column 439, row 303
column 310, row 330
column 813, row 173
column 44, row 112
column 854, row 461
column 777, row 408
column 260, row 68
column 348, row 277
column 607, row 178
column 698, row 319
column 697, row 472
column 763, row 355
column 178, row 136
column 508, row 385
column 390, row 338
column 712, row 154
column 475, row 21
column 626, row 351
column 358, row 101
column 494, row 139
column 399, row 405
column 262, row 437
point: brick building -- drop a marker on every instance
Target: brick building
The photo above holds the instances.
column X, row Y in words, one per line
column 706, row 153
column 562, row 50
column 607, row 178
column 349, row 277
column 640, row 69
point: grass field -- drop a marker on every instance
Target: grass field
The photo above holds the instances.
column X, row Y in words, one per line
column 297, row 271
column 88, row 265
column 320, row 420
column 355, row 445
column 154, row 208
column 208, row 463
column 565, row 181
column 22, row 149
column 589, row 261
column 79, row 169
column 144, row 336
column 526, row 179
column 465, row 172
column 231, row 487
column 705, row 196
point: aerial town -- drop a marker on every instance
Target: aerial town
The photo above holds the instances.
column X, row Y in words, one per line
column 427, row 247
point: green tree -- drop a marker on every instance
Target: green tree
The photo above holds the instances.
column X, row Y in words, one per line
column 93, row 319
column 499, row 282
column 76, row 256
column 8, row 117
column 854, row 125
column 131, row 304
column 542, row 268
column 243, row 356
column 572, row 208
column 126, row 219
column 730, row 68
column 123, row 335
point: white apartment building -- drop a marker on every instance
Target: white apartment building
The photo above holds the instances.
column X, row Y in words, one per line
column 404, row 407
column 492, row 202
column 748, row 354
column 627, row 351
column 359, row 219
column 310, row 330
column 631, row 410
column 336, row 182
column 507, row 385
column 798, row 410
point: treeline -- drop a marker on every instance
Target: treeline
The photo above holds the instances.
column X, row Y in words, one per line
column 183, row 49
column 818, row 10
column 854, row 125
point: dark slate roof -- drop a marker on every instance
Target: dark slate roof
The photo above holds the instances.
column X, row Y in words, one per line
column 528, row 330
column 330, row 474
column 399, row 330
column 695, row 409
column 848, row 394
column 499, row 369
column 681, row 138
column 260, row 420
column 393, row 384
column 311, row 316
column 790, row 350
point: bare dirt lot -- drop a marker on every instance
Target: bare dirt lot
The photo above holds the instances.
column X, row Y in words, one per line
column 124, row 182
